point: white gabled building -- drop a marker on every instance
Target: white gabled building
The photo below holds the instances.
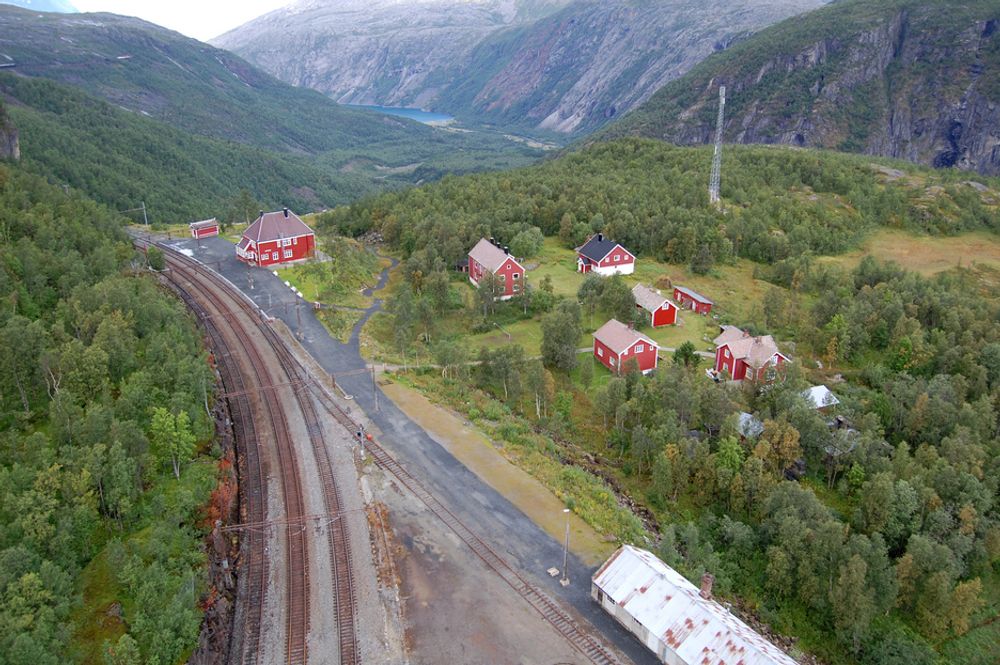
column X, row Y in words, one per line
column 681, row 624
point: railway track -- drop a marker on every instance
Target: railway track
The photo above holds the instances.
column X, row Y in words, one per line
column 343, row 592
column 550, row 611
column 543, row 604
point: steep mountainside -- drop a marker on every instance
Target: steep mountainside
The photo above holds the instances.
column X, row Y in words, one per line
column 562, row 65
column 189, row 125
column 911, row 79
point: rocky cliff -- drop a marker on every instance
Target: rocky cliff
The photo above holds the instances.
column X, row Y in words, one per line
column 560, row 65
column 911, row 79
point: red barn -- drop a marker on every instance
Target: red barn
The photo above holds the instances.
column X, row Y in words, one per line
column 662, row 312
column 276, row 237
column 605, row 257
column 615, row 344
column 689, row 299
column 486, row 257
column 204, row 229
column 745, row 357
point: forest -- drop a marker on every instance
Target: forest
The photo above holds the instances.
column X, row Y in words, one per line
column 872, row 533
column 105, row 462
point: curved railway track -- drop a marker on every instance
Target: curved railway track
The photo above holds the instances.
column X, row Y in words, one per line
column 248, row 621
column 589, row 646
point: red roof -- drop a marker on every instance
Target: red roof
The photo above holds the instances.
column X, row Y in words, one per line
column 275, row 226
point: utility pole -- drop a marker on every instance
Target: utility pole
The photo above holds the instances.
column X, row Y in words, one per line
column 716, row 178
column 565, row 576
column 144, row 217
column 375, row 388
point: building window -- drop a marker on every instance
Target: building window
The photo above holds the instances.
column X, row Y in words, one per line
column 725, row 352
column 617, row 258
column 288, row 253
column 640, row 348
column 517, row 276
column 612, row 359
column 600, row 352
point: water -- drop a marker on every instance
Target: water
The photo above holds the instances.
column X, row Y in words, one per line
column 426, row 117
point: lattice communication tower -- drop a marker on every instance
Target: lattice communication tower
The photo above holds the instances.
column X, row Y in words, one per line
column 713, row 185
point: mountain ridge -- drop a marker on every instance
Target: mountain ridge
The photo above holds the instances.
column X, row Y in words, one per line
column 563, row 67
column 907, row 79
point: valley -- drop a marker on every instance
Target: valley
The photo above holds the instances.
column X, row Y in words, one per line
column 466, row 364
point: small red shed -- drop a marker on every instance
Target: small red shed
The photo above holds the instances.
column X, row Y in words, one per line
column 604, row 257
column 205, row 228
column 276, row 237
column 692, row 300
column 662, row 312
column 615, row 344
column 486, row 257
column 745, row 357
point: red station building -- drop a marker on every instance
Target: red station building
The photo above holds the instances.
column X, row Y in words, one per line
column 275, row 238
column 615, row 344
column 661, row 311
column 486, row 257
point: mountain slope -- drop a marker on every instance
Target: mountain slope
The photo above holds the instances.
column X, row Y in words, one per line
column 911, row 79
column 517, row 64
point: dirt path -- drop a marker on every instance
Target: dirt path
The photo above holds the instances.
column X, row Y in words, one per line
column 477, row 453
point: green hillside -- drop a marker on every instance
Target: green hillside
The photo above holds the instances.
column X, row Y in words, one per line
column 912, row 79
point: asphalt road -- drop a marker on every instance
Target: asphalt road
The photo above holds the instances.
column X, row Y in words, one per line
column 511, row 533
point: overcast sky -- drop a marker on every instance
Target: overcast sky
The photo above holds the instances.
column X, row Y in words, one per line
column 201, row 19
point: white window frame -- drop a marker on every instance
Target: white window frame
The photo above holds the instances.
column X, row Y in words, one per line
column 288, row 253
column 600, row 352
column 285, row 242
column 617, row 258
column 639, row 348
column 517, row 276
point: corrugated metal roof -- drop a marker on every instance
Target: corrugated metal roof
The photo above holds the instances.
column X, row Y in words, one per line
column 694, row 294
column 820, row 396
column 204, row 224
column 697, row 630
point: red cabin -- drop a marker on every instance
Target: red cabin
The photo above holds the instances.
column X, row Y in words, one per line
column 661, row 311
column 604, row 257
column 692, row 300
column 615, row 344
column 276, row 237
column 204, row 229
column 486, row 257
column 745, row 357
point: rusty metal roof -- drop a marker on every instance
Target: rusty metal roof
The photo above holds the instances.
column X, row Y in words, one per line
column 697, row 630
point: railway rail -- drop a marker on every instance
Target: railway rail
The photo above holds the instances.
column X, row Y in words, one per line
column 595, row 651
column 343, row 592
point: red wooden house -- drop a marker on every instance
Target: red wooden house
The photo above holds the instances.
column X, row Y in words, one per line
column 604, row 257
column 276, row 237
column 204, row 229
column 661, row 311
column 742, row 356
column 486, row 257
column 692, row 300
column 615, row 344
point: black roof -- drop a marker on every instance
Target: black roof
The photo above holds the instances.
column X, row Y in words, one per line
column 597, row 247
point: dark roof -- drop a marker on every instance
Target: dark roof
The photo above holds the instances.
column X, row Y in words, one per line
column 276, row 225
column 597, row 247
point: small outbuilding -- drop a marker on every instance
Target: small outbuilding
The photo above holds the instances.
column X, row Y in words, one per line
column 692, row 300
column 204, row 229
column 616, row 343
column 605, row 257
column 820, row 398
column 661, row 311
column 680, row 623
column 275, row 238
column 487, row 258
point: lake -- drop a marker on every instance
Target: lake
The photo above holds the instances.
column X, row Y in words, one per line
column 426, row 117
